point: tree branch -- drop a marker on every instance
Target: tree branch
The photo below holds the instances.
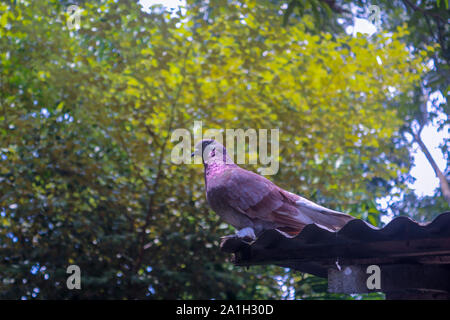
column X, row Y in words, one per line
column 141, row 243
column 445, row 188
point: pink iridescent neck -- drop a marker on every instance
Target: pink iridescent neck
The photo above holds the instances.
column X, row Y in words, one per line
column 213, row 168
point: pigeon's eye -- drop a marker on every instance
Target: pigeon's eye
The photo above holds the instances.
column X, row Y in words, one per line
column 205, row 144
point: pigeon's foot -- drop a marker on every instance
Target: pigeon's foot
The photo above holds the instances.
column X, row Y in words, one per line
column 246, row 234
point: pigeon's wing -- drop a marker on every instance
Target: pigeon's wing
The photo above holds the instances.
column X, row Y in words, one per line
column 259, row 198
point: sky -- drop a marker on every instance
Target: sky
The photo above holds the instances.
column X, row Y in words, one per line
column 426, row 180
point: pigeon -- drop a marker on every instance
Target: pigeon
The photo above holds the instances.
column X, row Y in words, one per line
column 252, row 203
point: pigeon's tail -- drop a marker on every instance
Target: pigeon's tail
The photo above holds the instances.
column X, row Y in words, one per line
column 324, row 217
column 297, row 212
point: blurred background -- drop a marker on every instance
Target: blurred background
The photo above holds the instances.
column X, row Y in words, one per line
column 91, row 92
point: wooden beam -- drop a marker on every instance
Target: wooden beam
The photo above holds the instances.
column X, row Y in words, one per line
column 394, row 279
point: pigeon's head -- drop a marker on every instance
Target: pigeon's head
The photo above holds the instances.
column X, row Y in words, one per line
column 211, row 151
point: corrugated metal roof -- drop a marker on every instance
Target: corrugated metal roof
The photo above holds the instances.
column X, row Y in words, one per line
column 315, row 250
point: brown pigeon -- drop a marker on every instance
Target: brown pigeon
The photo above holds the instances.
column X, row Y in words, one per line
column 252, row 203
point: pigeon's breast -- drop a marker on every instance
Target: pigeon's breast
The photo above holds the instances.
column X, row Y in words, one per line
column 216, row 192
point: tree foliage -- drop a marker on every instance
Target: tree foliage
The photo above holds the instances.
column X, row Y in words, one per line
column 86, row 121
column 428, row 28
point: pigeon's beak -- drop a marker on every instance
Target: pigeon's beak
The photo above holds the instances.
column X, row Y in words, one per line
column 194, row 153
